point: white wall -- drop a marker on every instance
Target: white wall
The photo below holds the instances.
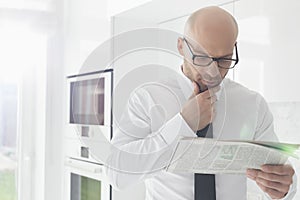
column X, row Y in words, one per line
column 287, row 125
column 269, row 44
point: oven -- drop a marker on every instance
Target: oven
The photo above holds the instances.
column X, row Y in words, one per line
column 85, row 181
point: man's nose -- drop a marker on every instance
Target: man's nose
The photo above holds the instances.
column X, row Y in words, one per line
column 211, row 72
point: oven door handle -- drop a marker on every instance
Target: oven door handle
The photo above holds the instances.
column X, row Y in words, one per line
column 84, row 166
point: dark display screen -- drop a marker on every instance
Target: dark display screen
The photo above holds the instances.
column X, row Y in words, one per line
column 87, row 102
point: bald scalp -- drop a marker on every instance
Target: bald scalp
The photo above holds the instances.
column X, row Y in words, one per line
column 211, row 19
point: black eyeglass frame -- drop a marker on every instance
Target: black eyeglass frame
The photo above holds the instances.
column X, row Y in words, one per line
column 214, row 59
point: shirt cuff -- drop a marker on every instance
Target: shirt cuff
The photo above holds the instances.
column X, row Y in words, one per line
column 176, row 127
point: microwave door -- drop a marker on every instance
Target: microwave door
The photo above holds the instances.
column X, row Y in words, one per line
column 87, row 102
column 90, row 99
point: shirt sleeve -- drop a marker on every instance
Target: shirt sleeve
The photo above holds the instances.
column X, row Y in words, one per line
column 265, row 132
column 137, row 151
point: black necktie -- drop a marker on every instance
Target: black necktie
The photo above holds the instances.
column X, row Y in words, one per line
column 205, row 188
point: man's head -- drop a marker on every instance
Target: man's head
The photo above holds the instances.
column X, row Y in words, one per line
column 209, row 31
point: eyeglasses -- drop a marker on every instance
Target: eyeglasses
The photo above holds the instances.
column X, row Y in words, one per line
column 223, row 62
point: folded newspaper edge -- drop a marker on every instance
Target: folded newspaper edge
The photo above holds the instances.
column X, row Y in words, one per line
column 211, row 156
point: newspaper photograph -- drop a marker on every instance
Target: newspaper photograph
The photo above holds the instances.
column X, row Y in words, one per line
column 206, row 155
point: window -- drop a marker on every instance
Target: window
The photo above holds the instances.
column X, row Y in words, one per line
column 8, row 138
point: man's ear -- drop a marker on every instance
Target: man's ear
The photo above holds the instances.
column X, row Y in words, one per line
column 180, row 46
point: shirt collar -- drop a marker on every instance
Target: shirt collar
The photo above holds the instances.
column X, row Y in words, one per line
column 187, row 87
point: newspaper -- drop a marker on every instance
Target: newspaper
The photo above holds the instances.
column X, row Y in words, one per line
column 206, row 155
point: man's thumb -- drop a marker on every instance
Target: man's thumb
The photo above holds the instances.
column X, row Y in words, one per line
column 196, row 88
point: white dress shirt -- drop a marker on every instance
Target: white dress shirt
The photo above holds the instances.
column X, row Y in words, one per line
column 152, row 124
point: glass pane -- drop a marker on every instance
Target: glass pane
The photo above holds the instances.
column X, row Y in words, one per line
column 83, row 188
column 87, row 102
column 202, row 61
column 8, row 138
column 226, row 63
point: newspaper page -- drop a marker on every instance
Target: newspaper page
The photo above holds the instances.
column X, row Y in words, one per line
column 205, row 155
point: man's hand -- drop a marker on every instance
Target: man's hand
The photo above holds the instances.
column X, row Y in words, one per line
column 198, row 111
column 275, row 180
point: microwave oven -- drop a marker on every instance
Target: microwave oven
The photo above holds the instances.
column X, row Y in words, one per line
column 89, row 114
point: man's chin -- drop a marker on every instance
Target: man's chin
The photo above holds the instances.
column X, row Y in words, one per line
column 214, row 84
column 207, row 85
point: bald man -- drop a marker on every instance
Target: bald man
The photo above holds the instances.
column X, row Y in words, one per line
column 212, row 105
column 212, row 32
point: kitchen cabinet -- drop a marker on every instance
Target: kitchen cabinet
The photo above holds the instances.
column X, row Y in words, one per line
column 86, row 26
column 118, row 6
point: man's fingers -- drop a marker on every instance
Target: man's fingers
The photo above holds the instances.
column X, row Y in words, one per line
column 269, row 176
column 210, row 92
column 196, row 90
column 273, row 179
column 214, row 89
column 274, row 185
column 274, row 194
column 213, row 99
column 278, row 169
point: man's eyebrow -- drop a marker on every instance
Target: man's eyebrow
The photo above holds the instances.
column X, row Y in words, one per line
column 201, row 53
column 227, row 55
